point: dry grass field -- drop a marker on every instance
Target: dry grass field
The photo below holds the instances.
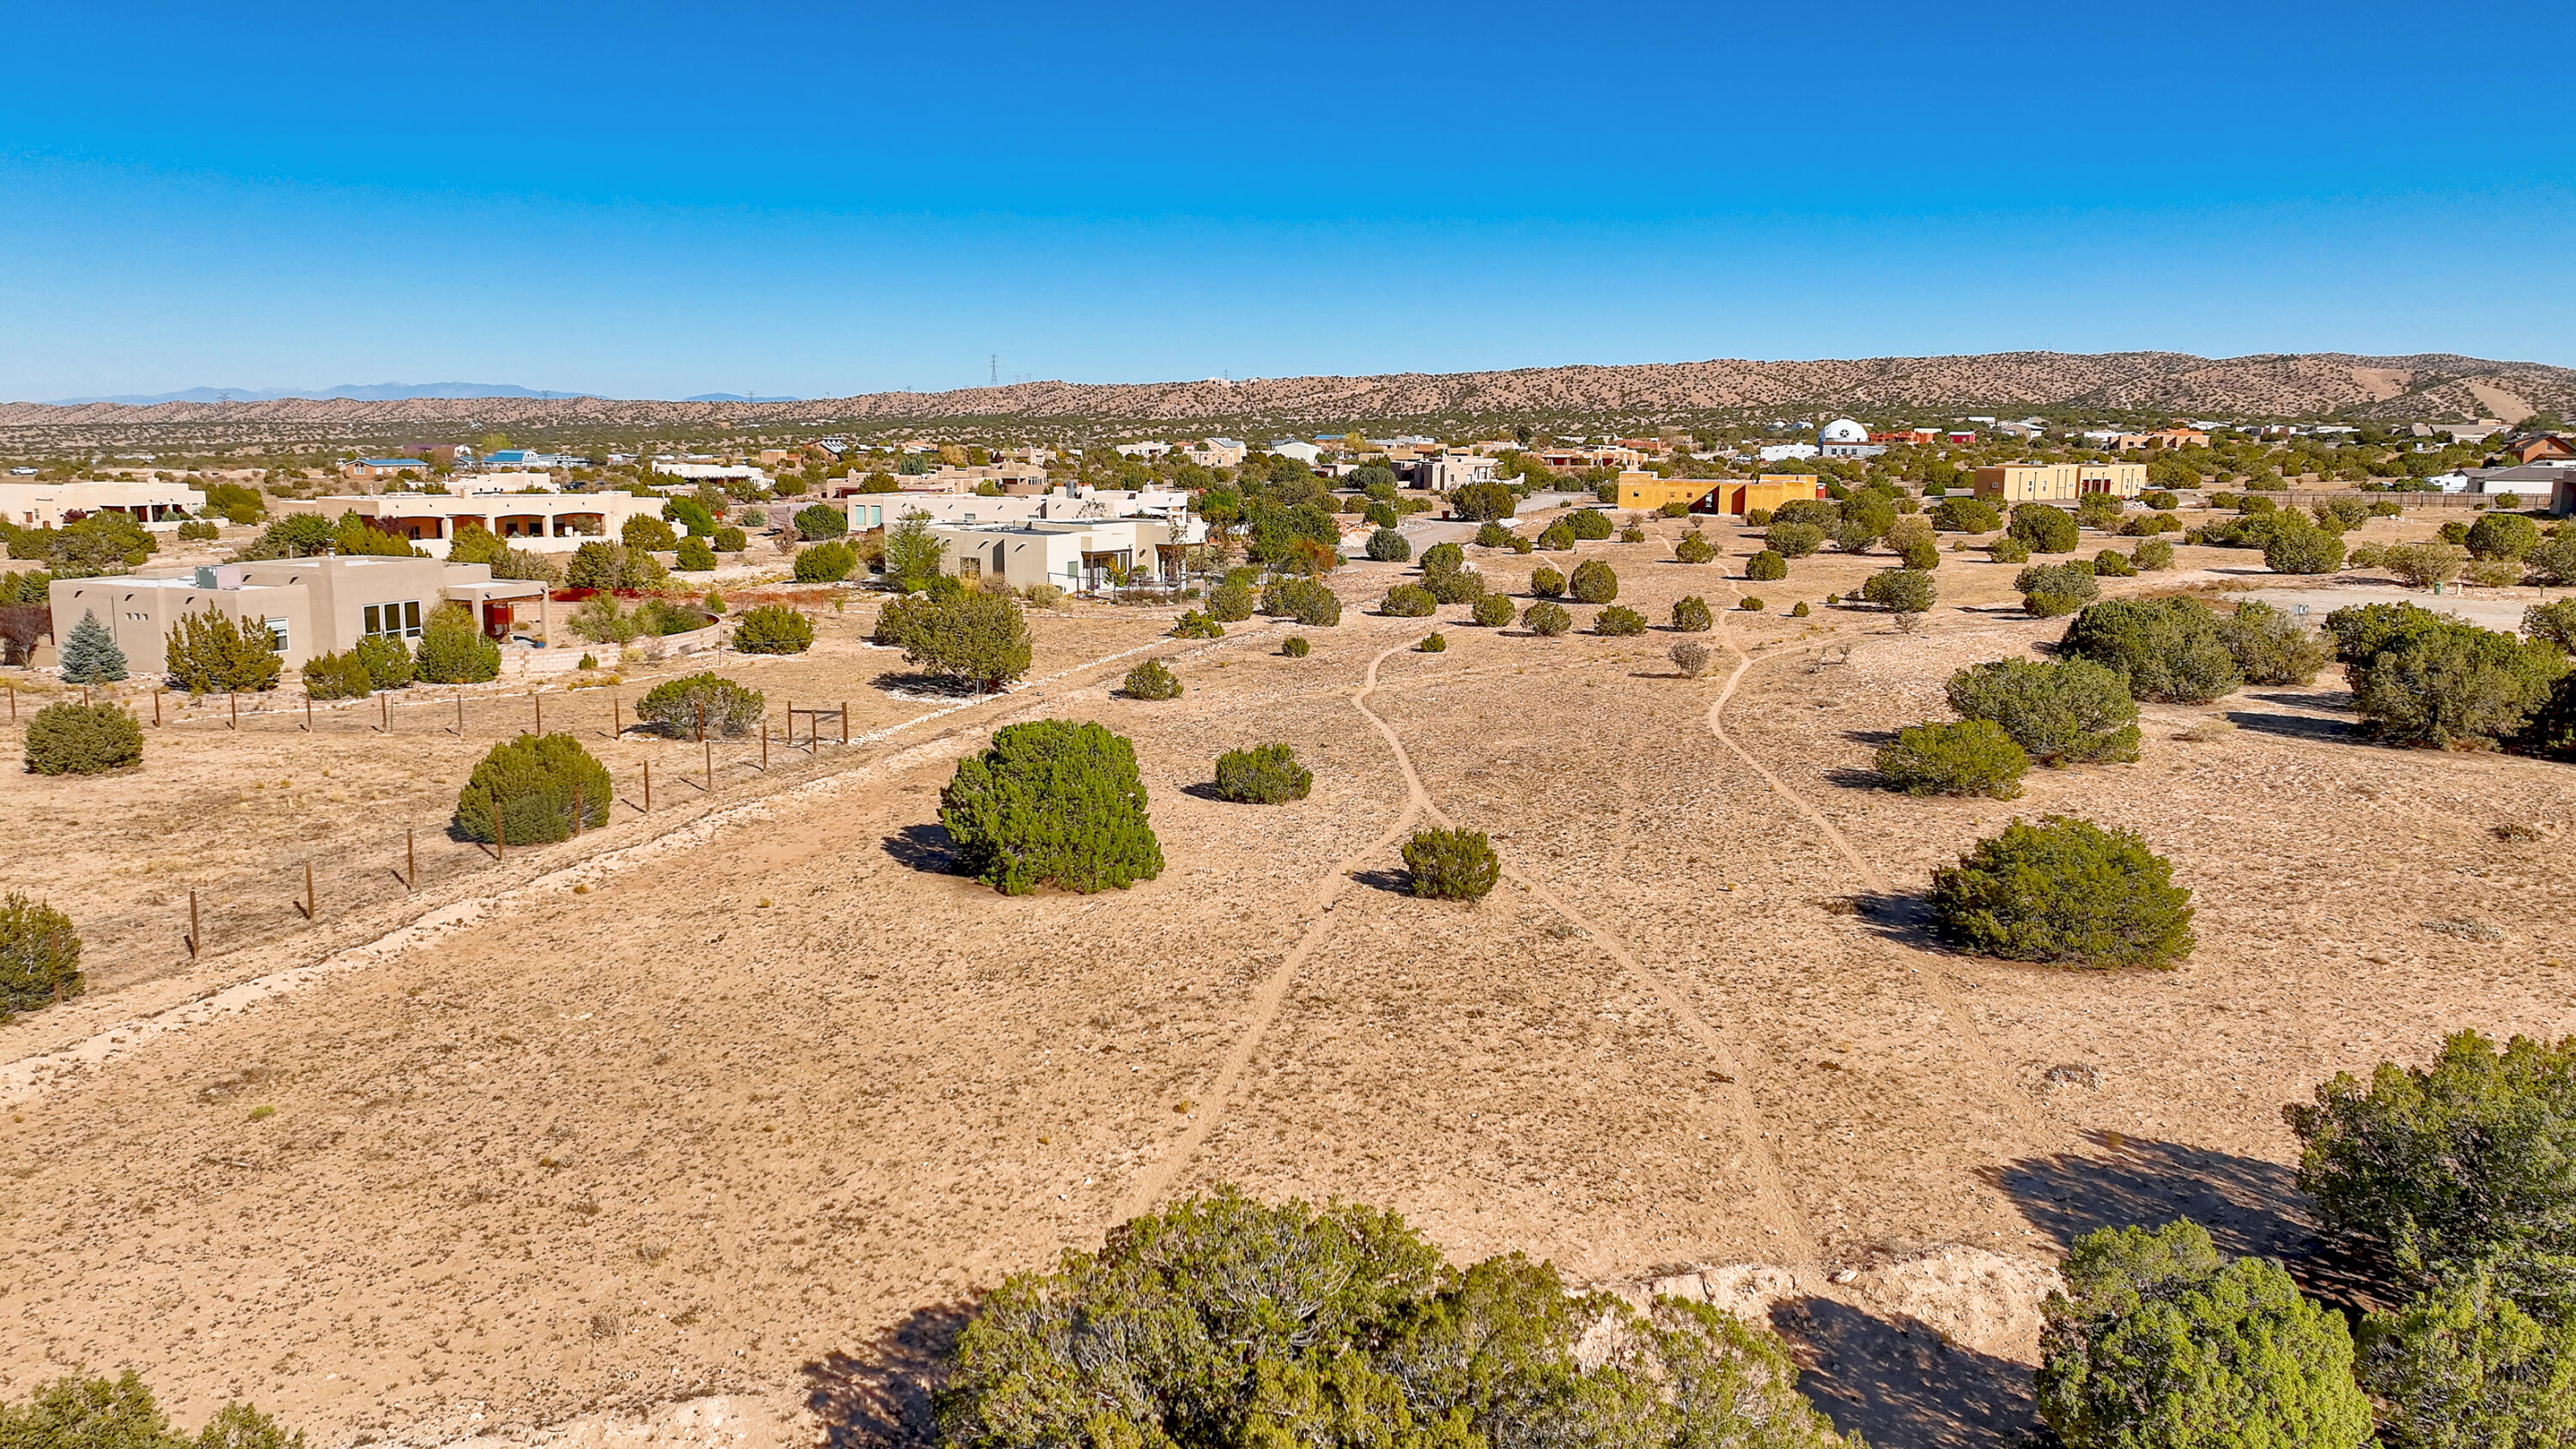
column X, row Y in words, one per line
column 748, row 1098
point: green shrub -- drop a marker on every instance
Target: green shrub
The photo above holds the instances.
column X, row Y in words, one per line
column 39, row 961
column 387, row 661
column 1295, row 647
column 2482, row 1357
column 2052, row 591
column 1618, row 621
column 96, row 1413
column 1408, row 601
column 2161, row 501
column 453, row 649
column 1694, row 548
column 337, row 676
column 2159, row 1343
column 2170, row 650
column 2303, row 550
column 2271, row 646
column 1443, row 558
column 1484, row 501
column 1194, row 625
column 696, row 555
column 1900, row 591
column 772, row 629
column 1388, row 546
column 1766, row 566
column 1493, row 611
column 543, row 788
column 2552, row 562
column 2153, row 554
column 1305, row 600
column 1221, row 1321
column 2552, row 623
column 1432, row 643
column 1493, row 535
column 2044, row 529
column 1546, row 583
column 2360, row 631
column 678, row 708
column 89, row 654
column 2008, row 550
column 1459, row 586
column 1962, row 513
column 1675, row 508
column 1051, row 802
column 1972, row 757
column 1820, row 514
column 199, row 531
column 82, row 739
column 647, row 535
column 824, row 563
column 612, row 567
column 1451, row 865
column 971, row 638
column 1556, row 537
column 1594, row 582
column 1230, row 602
column 820, row 521
column 210, row 653
column 1589, row 524
column 1749, row 604
column 2066, row 892
column 1793, row 540
column 2110, row 563
column 729, row 539
column 1264, row 775
column 2455, row 686
column 1758, row 518
column 2073, row 711
column 2422, row 565
column 1152, row 680
column 1800, row 610
column 2502, row 535
column 1692, row 615
column 1921, row 555
column 1546, row 617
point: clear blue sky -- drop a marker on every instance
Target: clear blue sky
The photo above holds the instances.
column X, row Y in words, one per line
column 655, row 200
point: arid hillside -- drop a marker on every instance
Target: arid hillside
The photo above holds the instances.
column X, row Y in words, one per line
column 2433, row 386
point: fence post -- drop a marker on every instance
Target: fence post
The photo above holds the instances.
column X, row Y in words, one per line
column 710, row 748
column 13, row 705
column 702, row 724
column 460, row 714
column 84, row 696
column 539, row 702
column 195, row 936
column 156, row 708
column 616, row 717
column 388, row 701
column 648, row 787
column 308, row 890
column 764, row 746
column 845, row 721
column 411, row 861
column 308, row 714
column 500, row 841
column 236, row 703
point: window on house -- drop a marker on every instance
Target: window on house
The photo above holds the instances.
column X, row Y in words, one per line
column 276, row 634
column 394, row 619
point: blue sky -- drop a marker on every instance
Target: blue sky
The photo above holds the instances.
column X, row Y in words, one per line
column 657, row 200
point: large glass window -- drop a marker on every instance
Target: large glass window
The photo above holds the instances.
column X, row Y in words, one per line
column 401, row 619
column 276, row 634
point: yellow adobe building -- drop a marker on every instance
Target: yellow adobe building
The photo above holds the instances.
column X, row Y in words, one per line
column 1717, row 495
column 1648, row 492
column 1771, row 490
column 2060, row 482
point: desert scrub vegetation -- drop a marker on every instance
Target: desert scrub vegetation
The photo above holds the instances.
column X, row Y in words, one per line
column 1749, row 604
column 1546, row 617
column 2454, row 686
column 1195, row 625
column 2152, row 555
column 1456, row 586
column 1295, row 646
column 1691, row 657
column 772, row 629
column 1792, row 540
column 2043, row 529
column 1151, row 679
column 2271, row 645
column 1231, row 602
column 1221, row 1320
column 2173, row 651
column 82, row 739
column 96, row 1413
column 1408, row 601
column 453, row 649
column 1766, row 566
column 1618, row 622
column 2302, row 549
column 1493, row 611
column 2064, row 892
column 1546, row 583
column 1971, row 757
column 1308, row 601
column 1962, row 513
column 2071, row 711
column 1694, row 548
column 1901, row 591
column 1451, row 865
column 1692, row 615
column 1388, row 546
column 828, row 562
column 540, row 787
column 1262, row 775
column 1594, row 582
column 1442, row 558
column 677, row 708
column 1051, row 802
column 1432, row 643
column 212, row 653
column 2051, row 591
column 39, row 957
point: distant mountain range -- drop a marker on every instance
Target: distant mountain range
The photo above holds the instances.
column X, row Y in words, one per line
column 353, row 391
column 736, row 397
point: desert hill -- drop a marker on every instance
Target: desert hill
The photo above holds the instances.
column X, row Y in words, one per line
column 2428, row 387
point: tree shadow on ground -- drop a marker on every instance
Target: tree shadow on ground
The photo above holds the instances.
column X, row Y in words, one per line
column 2250, row 1206
column 1870, row 737
column 2340, row 699
column 879, row 1397
column 2291, row 726
column 1905, row 920
column 905, row 681
column 1852, row 777
column 1897, row 1383
column 1385, row 878
column 927, row 848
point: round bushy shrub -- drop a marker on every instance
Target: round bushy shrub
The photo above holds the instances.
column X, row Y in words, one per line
column 454, row 650
column 337, row 676
column 772, row 629
column 2302, row 550
column 1900, row 591
column 1490, row 534
column 828, row 562
column 1051, row 802
column 2171, row 650
column 1295, row 646
column 1408, row 601
column 730, row 539
column 2502, row 536
column 1749, row 604
column 2110, row 563
column 1230, row 602
column 1694, row 548
column 1691, row 657
column 1432, row 643
column 1556, row 537
column 675, row 707
column 1692, row 615
column 1443, row 558
column 1793, row 540
column 213, row 653
column 2065, row 892
column 39, row 955
column 1766, row 566
column 2455, row 686
column 1308, row 601
column 1961, row 513
column 2160, row 501
column 2008, row 550
column 1458, row 586
column 2554, row 622
column 1594, row 582
column 2044, row 529
column 2152, row 554
column 697, row 554
column 2052, row 591
column 1589, row 524
column 647, row 535
column 1152, row 680
column 1972, row 757
column 1263, row 775
column 1491, row 610
column 821, row 520
column 1921, row 555
column 1801, row 610
column 1452, row 865
column 1388, row 546
column 1674, row 508
column 2073, row 711
column 82, row 739
column 1194, row 625
column 1618, row 621
column 2271, row 646
column 2552, row 562
column 540, row 785
column 1546, row 583
column 1546, row 617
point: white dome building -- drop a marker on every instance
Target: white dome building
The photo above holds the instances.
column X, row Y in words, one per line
column 1843, row 430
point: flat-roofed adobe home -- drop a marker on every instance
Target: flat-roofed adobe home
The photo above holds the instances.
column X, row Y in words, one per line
column 2060, row 482
column 540, row 520
column 309, row 606
column 45, row 505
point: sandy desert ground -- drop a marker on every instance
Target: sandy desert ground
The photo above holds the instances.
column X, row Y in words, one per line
column 709, row 1125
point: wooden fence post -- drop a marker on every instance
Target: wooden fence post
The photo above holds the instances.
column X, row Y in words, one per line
column 845, row 721
column 195, row 936
column 500, row 841
column 764, row 746
column 539, row 702
column 388, row 711
column 460, row 714
column 308, row 890
column 411, row 861
column 308, row 714
column 709, row 747
column 648, row 787
column 156, row 709
column 236, row 703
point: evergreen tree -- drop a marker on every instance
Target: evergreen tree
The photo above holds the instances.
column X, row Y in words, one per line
column 90, row 655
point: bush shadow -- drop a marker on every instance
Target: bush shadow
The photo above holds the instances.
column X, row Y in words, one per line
column 2292, row 726
column 1902, row 919
column 1870, row 737
column 928, row 848
column 1852, row 777
column 1899, row 1384
column 2332, row 699
column 905, row 681
column 1385, row 878
column 880, row 1397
